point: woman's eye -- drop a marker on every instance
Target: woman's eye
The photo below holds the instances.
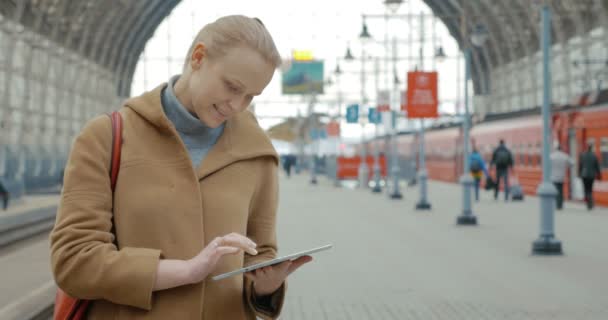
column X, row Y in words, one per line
column 232, row 88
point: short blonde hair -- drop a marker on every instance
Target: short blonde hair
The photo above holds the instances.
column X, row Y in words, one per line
column 233, row 31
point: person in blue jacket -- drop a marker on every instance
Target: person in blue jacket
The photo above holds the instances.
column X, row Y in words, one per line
column 478, row 169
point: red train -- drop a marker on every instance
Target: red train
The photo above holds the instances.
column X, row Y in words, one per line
column 572, row 127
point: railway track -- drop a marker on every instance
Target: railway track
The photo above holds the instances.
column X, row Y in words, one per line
column 14, row 229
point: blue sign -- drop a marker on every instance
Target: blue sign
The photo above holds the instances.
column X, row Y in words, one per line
column 373, row 116
column 352, row 113
column 316, row 134
column 323, row 133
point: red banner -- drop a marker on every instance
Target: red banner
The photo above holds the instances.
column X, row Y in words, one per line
column 333, row 129
column 422, row 94
column 348, row 168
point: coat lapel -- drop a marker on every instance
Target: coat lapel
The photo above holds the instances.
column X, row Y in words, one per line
column 242, row 139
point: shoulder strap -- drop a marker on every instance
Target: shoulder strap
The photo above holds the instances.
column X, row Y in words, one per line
column 116, row 146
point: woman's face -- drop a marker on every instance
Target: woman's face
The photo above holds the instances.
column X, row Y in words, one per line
column 223, row 86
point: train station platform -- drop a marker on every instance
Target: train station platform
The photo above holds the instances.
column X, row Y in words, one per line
column 390, row 261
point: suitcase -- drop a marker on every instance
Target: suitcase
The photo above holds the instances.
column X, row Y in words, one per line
column 516, row 192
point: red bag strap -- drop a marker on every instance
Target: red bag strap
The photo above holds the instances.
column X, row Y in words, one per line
column 116, row 146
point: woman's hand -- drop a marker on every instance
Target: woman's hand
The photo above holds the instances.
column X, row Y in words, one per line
column 268, row 279
column 204, row 263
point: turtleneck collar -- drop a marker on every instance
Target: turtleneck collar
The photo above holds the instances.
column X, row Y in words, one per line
column 184, row 121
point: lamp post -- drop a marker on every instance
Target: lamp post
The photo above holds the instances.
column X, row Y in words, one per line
column 376, row 168
column 313, row 130
column 423, row 203
column 395, row 106
column 363, row 169
column 338, row 73
column 478, row 37
column 395, row 193
column 546, row 244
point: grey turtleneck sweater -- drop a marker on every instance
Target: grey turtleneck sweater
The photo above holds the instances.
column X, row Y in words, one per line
column 197, row 137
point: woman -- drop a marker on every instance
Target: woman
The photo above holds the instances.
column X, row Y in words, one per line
column 196, row 193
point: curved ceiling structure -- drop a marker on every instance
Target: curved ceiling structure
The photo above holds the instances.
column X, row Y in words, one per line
column 114, row 33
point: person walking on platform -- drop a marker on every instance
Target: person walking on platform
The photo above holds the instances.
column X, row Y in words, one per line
column 288, row 162
column 5, row 196
column 502, row 159
column 560, row 162
column 478, row 169
column 589, row 170
column 197, row 193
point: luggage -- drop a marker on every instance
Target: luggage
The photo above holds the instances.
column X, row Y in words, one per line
column 516, row 191
column 490, row 183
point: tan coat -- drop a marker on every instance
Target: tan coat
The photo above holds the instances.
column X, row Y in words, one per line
column 163, row 209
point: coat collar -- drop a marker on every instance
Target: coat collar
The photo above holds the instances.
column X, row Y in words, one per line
column 242, row 138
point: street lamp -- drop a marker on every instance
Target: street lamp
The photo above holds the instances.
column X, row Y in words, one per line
column 395, row 193
column 440, row 55
column 349, row 55
column 393, row 5
column 478, row 37
column 338, row 73
column 546, row 244
column 364, row 37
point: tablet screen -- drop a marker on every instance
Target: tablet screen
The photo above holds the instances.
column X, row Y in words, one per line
column 270, row 262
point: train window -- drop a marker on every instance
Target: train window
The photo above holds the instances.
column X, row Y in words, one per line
column 604, row 152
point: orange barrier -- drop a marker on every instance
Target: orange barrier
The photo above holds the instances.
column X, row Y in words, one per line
column 348, row 168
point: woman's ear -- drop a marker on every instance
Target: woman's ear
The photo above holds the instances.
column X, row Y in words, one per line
column 198, row 54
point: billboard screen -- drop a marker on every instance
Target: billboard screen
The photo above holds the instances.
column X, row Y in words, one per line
column 303, row 77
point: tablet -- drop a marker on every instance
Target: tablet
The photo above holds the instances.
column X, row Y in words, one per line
column 270, row 262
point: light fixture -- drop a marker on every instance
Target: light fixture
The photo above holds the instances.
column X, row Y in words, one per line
column 396, row 78
column 338, row 70
column 349, row 55
column 440, row 54
column 364, row 36
column 393, row 5
column 479, row 35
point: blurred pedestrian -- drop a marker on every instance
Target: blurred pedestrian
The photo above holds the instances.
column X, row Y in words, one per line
column 503, row 160
column 560, row 162
column 589, row 170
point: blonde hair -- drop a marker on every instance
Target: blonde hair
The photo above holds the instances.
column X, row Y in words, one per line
column 233, row 31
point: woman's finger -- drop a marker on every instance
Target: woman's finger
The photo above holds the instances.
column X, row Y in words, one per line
column 235, row 240
column 298, row 263
column 221, row 251
column 251, row 275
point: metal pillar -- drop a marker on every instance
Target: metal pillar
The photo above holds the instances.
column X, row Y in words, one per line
column 395, row 105
column 546, row 244
column 423, row 203
column 337, row 182
column 363, row 169
column 467, row 217
column 313, row 146
column 376, row 168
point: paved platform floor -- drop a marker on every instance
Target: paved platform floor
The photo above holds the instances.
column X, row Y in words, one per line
column 390, row 261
